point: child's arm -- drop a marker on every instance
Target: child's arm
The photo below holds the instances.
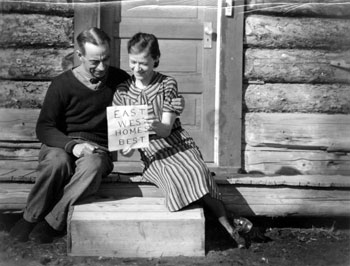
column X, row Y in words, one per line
column 162, row 128
column 178, row 103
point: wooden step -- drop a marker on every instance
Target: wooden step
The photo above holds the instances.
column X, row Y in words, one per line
column 135, row 227
column 246, row 199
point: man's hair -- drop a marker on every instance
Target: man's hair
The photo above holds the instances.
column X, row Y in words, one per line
column 93, row 35
column 144, row 42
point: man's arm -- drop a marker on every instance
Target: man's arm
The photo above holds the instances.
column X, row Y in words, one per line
column 49, row 124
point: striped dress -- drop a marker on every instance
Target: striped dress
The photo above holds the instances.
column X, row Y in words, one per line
column 174, row 163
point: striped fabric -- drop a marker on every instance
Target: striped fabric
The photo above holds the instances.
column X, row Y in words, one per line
column 174, row 163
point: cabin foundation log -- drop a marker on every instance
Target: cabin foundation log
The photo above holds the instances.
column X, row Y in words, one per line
column 271, row 196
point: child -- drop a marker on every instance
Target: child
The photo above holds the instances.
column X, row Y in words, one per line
column 172, row 161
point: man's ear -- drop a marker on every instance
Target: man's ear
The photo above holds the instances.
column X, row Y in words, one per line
column 79, row 54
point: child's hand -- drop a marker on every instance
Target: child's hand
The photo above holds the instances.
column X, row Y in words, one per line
column 152, row 124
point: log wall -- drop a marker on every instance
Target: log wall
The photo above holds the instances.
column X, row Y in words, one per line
column 297, row 87
column 36, row 44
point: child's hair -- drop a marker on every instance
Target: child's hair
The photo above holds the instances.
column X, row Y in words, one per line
column 145, row 41
column 93, row 35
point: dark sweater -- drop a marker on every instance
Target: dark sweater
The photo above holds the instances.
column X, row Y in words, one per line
column 71, row 110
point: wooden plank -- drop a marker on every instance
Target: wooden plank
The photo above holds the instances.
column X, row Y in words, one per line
column 34, row 64
column 282, row 161
column 22, row 94
column 305, row 180
column 57, row 7
column 151, row 207
column 295, row 66
column 290, row 32
column 327, row 8
column 123, row 229
column 295, row 180
column 295, row 130
column 275, row 201
column 248, row 200
column 19, row 164
column 306, row 98
column 44, row 30
column 18, row 124
column 17, row 174
column 21, row 145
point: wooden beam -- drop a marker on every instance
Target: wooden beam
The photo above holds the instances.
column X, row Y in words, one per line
column 296, row 130
column 295, row 66
column 18, row 125
column 289, row 161
column 230, row 102
column 297, row 98
column 57, row 7
column 41, row 64
column 247, row 200
column 58, row 31
column 22, row 94
column 327, row 8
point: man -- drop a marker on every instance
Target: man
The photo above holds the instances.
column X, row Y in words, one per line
column 72, row 127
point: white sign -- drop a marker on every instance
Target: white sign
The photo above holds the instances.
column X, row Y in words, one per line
column 126, row 127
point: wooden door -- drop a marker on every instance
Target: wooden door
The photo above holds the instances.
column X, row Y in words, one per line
column 180, row 28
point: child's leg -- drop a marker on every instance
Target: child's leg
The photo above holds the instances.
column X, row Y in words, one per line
column 218, row 209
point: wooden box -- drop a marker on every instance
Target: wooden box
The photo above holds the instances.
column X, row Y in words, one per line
column 135, row 227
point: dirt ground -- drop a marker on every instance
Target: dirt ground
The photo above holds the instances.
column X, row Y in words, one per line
column 295, row 241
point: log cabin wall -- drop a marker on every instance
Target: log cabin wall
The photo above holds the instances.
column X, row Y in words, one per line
column 296, row 99
column 36, row 45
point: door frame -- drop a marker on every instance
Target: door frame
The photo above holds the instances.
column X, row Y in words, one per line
column 228, row 156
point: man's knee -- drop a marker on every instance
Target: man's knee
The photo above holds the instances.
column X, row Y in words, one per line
column 55, row 158
column 96, row 162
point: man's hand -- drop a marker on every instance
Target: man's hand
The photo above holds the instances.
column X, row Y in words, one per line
column 178, row 103
column 81, row 149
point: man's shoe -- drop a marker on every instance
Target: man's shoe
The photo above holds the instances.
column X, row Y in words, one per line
column 21, row 230
column 43, row 233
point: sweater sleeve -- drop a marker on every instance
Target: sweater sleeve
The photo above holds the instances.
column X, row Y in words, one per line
column 50, row 128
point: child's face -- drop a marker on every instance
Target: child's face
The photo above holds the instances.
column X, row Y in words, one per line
column 142, row 66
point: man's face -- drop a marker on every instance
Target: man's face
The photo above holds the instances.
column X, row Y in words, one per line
column 96, row 59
